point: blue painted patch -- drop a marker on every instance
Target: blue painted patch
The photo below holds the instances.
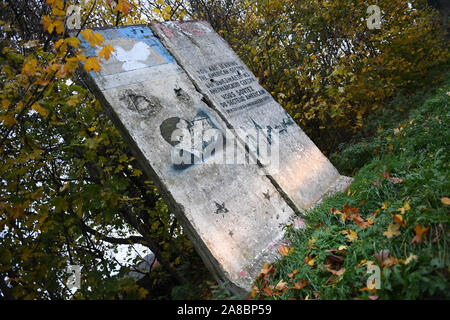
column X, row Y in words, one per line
column 139, row 33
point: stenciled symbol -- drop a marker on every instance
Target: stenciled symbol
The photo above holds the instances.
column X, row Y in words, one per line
column 374, row 20
column 141, row 104
column 220, row 208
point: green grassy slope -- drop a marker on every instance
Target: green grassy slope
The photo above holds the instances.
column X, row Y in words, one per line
column 399, row 193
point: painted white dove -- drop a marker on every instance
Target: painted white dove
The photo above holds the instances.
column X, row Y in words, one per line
column 134, row 58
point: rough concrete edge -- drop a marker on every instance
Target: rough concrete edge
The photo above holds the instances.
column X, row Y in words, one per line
column 340, row 185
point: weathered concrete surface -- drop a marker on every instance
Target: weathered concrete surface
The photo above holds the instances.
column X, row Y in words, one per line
column 233, row 215
column 304, row 173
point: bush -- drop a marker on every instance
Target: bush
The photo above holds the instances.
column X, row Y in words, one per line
column 324, row 65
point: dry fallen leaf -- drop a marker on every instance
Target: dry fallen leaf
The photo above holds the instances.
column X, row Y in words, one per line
column 381, row 256
column 405, row 208
column 395, row 180
column 419, row 233
column 372, row 290
column 311, row 243
column 266, row 271
column 351, row 235
column 291, row 275
column 399, row 219
column 281, row 285
column 336, row 272
column 410, row 258
column 300, row 284
column 390, row 262
column 392, row 231
column 309, row 260
column 268, row 290
column 254, row 292
column 285, row 251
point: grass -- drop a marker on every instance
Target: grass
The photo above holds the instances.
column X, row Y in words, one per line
column 401, row 167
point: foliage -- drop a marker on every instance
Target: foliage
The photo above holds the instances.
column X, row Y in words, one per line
column 366, row 144
column 395, row 216
column 323, row 64
column 70, row 189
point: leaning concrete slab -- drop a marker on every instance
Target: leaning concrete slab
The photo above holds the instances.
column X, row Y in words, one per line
column 233, row 215
column 303, row 173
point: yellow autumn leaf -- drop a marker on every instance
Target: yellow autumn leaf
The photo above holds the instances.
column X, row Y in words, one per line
column 392, row 231
column 137, row 173
column 59, row 26
column 58, row 44
column 94, row 38
column 265, row 269
column 81, row 57
column 56, row 3
column 40, row 109
column 50, row 25
column 58, row 12
column 166, row 13
column 74, row 42
column 405, row 208
column 311, row 243
column 399, row 219
column 124, row 7
column 310, row 261
column 5, row 104
column 92, row 64
column 351, row 235
column 281, row 285
column 285, row 251
column 8, row 120
column 106, row 52
column 29, row 67
column 47, row 22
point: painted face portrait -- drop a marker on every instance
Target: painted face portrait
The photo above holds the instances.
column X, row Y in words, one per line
column 188, row 140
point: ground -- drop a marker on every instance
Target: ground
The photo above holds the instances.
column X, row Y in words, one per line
column 386, row 237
